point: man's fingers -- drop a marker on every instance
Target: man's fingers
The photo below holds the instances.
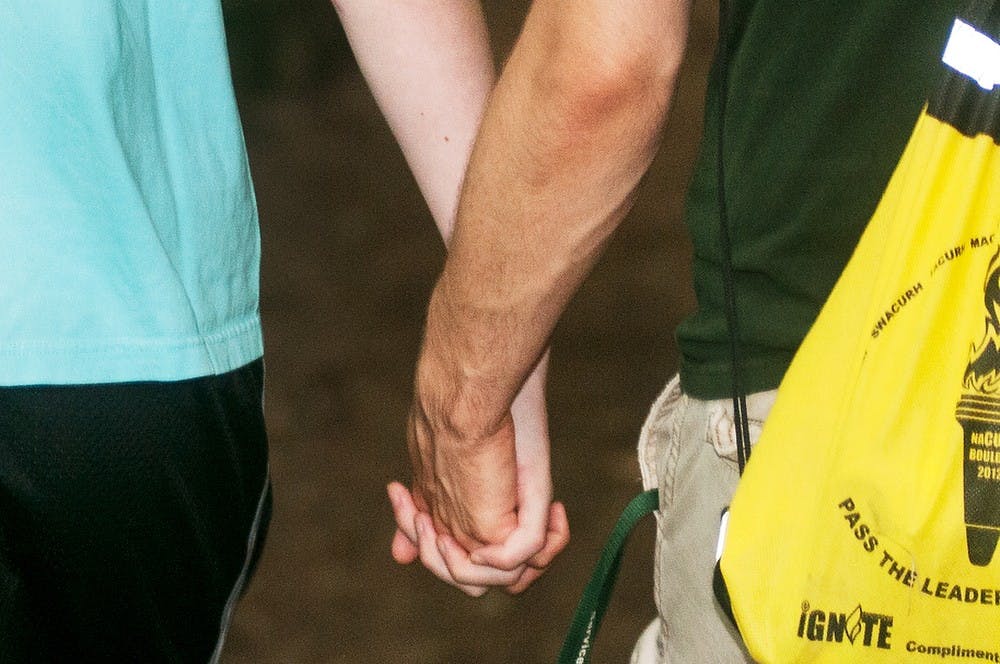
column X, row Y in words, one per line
column 463, row 570
column 431, row 557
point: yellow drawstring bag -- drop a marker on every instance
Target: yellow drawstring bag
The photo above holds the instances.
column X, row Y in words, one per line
column 866, row 525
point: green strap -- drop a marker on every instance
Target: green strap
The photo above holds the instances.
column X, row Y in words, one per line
column 587, row 619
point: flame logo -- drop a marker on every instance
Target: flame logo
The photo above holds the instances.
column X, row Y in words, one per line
column 983, row 373
column 854, row 624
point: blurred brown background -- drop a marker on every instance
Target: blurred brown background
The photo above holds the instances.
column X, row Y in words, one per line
column 350, row 255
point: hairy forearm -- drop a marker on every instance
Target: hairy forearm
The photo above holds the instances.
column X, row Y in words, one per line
column 572, row 126
column 430, row 68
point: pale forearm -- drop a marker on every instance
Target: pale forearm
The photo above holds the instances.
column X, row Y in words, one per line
column 429, row 66
column 571, row 128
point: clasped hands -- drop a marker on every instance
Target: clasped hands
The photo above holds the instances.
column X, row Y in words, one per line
column 480, row 511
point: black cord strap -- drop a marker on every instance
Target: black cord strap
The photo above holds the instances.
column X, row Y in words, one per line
column 740, row 417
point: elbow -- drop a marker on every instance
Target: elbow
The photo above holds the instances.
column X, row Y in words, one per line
column 599, row 86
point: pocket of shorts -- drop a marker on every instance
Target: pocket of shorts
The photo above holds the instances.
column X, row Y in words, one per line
column 658, row 441
column 721, row 433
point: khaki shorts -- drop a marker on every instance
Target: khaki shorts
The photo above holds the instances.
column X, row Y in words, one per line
column 687, row 450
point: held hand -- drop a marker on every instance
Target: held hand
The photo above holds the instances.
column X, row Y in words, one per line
column 416, row 538
column 467, row 483
column 541, row 531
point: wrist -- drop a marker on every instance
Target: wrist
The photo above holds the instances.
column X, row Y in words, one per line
column 455, row 396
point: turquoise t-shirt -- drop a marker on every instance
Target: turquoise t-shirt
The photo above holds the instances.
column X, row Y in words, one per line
column 129, row 245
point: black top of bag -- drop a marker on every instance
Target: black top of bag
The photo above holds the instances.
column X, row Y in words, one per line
column 959, row 100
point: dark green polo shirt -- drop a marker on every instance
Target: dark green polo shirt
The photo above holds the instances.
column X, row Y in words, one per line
column 822, row 99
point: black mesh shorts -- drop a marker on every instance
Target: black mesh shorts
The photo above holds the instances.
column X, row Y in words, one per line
column 131, row 516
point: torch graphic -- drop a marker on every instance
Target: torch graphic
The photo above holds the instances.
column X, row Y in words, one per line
column 978, row 412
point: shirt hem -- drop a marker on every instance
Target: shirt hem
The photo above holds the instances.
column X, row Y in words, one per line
column 706, row 381
column 131, row 360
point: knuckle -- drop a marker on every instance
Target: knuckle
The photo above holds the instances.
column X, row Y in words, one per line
column 535, row 543
column 510, row 562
